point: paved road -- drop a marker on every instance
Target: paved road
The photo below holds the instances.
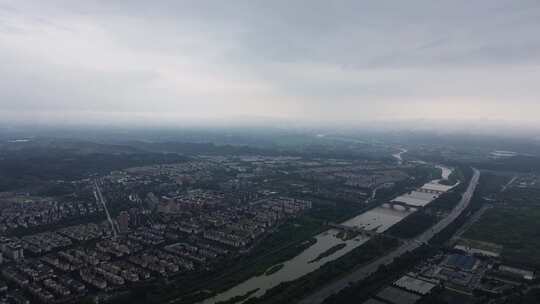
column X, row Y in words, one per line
column 99, row 197
column 509, row 183
column 473, row 219
column 367, row 270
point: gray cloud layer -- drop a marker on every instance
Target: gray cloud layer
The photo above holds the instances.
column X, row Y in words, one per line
column 307, row 60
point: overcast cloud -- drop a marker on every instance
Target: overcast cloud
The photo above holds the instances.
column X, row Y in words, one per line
column 347, row 61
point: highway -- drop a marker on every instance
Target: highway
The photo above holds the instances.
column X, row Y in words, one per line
column 99, row 198
column 368, row 269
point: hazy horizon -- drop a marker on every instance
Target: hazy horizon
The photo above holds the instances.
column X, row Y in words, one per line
column 455, row 65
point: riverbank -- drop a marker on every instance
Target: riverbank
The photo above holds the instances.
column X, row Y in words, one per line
column 273, row 269
column 309, row 263
column 329, row 252
column 433, row 235
column 294, row 291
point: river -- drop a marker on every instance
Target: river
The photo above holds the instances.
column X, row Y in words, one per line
column 398, row 156
column 294, row 268
column 379, row 219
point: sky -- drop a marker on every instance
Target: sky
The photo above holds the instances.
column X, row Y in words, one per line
column 167, row 62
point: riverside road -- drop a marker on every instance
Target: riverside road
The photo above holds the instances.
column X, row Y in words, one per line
column 368, row 269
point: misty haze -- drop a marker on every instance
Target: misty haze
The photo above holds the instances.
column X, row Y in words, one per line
column 268, row 152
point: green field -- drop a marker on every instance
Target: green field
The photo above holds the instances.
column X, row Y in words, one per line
column 514, row 223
